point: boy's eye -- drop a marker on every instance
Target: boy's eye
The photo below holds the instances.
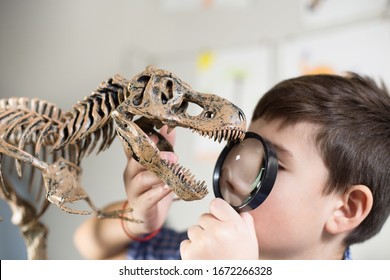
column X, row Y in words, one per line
column 280, row 166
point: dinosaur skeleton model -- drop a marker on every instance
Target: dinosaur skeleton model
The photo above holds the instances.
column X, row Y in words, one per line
column 40, row 136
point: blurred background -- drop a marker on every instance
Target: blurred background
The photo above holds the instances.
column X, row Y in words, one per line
column 60, row 51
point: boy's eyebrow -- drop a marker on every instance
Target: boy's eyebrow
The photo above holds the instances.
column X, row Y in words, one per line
column 280, row 150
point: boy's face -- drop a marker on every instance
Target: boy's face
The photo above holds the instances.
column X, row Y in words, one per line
column 290, row 223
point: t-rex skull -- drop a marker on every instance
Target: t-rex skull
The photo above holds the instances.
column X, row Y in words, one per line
column 163, row 99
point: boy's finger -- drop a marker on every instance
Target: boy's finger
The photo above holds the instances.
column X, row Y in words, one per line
column 184, row 245
column 154, row 195
column 222, row 210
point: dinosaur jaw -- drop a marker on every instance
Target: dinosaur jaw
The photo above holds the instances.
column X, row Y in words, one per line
column 138, row 145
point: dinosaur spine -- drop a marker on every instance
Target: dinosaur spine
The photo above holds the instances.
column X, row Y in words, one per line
column 89, row 121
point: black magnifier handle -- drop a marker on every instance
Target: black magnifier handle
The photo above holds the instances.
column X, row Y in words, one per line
column 245, row 172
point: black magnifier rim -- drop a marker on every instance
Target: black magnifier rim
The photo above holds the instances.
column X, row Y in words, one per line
column 264, row 187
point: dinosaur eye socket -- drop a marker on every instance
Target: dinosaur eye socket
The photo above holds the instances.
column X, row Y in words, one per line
column 138, row 89
column 143, row 80
column 209, row 115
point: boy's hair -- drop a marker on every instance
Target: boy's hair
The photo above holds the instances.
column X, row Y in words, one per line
column 352, row 114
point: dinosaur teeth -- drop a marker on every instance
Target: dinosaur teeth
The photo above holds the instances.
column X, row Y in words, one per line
column 170, row 128
column 220, row 136
column 241, row 135
column 234, row 135
column 216, row 136
column 196, row 188
column 226, row 134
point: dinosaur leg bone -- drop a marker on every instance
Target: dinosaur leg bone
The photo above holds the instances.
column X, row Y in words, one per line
column 63, row 186
column 61, row 182
column 61, row 178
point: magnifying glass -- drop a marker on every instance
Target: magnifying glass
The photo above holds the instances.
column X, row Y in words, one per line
column 245, row 172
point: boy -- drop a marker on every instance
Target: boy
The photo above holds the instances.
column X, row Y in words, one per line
column 332, row 137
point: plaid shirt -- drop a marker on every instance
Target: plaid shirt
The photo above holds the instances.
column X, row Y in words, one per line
column 166, row 246
column 347, row 254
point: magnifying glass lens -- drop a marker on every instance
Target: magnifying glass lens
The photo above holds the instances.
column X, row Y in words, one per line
column 245, row 172
column 242, row 171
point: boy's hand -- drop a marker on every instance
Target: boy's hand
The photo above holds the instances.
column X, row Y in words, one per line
column 147, row 195
column 221, row 234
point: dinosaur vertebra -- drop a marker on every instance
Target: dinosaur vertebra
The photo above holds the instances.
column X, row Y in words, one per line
column 54, row 142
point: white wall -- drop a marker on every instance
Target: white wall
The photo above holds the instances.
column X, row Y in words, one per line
column 61, row 50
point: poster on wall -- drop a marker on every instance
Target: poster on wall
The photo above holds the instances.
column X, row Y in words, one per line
column 362, row 48
column 240, row 75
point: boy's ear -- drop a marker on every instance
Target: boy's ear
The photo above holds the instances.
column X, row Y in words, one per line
column 353, row 207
